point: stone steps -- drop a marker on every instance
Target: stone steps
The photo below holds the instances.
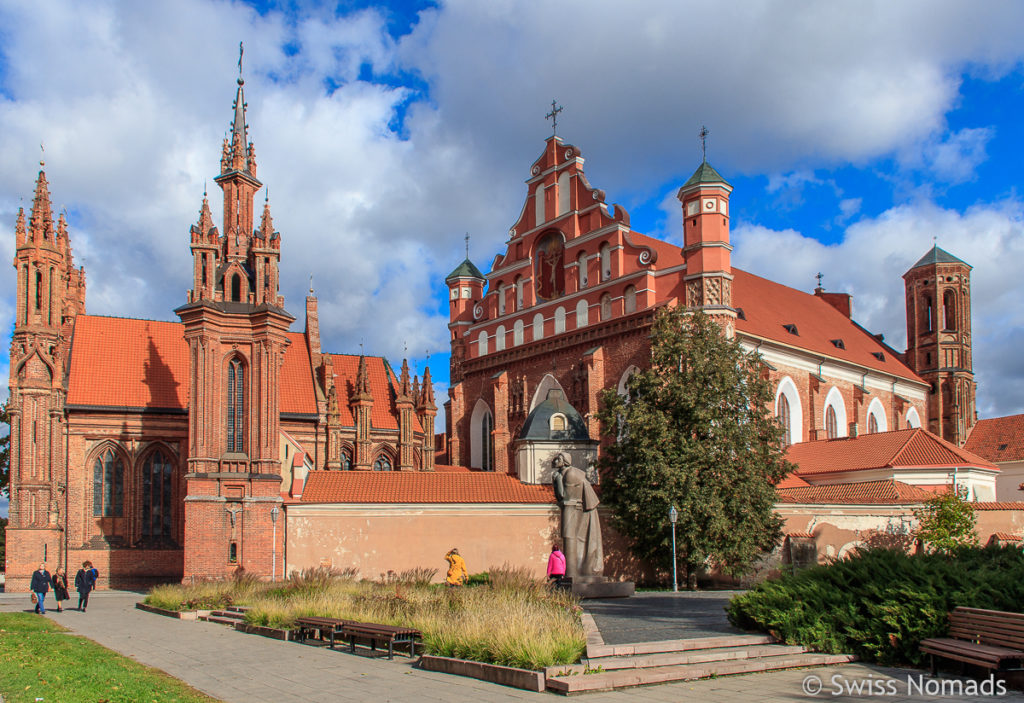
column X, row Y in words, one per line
column 225, row 617
column 626, row 677
column 596, row 651
column 677, row 658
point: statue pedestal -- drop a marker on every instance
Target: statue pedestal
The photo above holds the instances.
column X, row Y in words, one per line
column 601, row 587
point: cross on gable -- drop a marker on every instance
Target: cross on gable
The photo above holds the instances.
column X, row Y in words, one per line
column 553, row 116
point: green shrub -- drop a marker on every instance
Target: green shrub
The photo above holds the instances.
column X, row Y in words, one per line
column 880, row 603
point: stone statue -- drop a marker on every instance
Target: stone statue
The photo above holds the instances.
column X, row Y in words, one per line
column 581, row 528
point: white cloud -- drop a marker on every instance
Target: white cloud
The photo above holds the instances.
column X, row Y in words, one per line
column 874, row 254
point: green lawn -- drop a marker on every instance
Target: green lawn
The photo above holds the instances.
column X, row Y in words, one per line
column 40, row 660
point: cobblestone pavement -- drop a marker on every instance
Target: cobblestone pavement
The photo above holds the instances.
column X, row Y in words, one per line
column 243, row 668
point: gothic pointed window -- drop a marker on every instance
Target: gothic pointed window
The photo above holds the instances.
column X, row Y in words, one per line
column 236, row 288
column 872, row 424
column 157, row 490
column 487, row 442
column 346, row 459
column 39, row 290
column 928, row 314
column 382, row 463
column 108, row 485
column 831, row 426
column 236, row 406
column 949, row 310
column 202, row 260
column 785, row 420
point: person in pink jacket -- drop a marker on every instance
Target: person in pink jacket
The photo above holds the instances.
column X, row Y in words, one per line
column 556, row 564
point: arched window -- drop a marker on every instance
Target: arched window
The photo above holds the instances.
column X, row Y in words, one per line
column 538, row 326
column 581, row 266
column 517, row 333
column 520, row 285
column 785, row 419
column 913, row 419
column 236, row 406
column 346, row 459
column 872, row 424
column 876, row 417
column 582, row 314
column 538, row 206
column 157, row 493
column 928, row 314
column 501, row 299
column 49, row 297
column 39, row 290
column 236, row 288
column 481, row 425
column 949, row 310
column 606, row 262
column 558, row 426
column 563, row 192
column 382, row 462
column 606, row 307
column 559, row 320
column 202, row 261
column 108, row 485
column 481, row 343
column 499, row 338
column 831, row 425
column 629, row 300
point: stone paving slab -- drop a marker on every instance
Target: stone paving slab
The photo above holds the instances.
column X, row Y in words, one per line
column 660, row 615
column 242, row 668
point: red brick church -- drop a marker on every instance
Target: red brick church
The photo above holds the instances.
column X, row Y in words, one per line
column 166, row 450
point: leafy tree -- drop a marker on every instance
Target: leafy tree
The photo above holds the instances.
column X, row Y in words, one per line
column 696, row 431
column 946, row 522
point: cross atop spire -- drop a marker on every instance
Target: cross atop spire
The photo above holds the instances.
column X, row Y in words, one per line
column 467, row 245
column 553, row 116
column 704, row 141
column 819, row 277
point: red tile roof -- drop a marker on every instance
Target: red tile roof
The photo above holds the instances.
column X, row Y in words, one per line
column 998, row 438
column 767, row 306
column 792, row 481
column 911, row 448
column 1005, row 537
column 383, row 386
column 421, row 487
column 124, row 362
column 886, row 492
column 999, row 505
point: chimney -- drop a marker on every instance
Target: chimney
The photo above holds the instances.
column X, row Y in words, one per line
column 840, row 301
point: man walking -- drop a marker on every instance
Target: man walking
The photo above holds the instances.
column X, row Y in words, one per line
column 41, row 586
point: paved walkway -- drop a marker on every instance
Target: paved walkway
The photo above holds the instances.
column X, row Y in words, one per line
column 241, row 668
column 660, row 615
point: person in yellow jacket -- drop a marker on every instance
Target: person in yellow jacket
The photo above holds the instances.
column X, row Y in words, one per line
column 458, row 575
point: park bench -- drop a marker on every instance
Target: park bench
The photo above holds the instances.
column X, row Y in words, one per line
column 991, row 639
column 321, row 627
column 374, row 634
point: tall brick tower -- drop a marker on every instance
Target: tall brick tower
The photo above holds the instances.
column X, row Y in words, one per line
column 465, row 296
column 706, row 248
column 236, row 329
column 939, row 340
column 51, row 293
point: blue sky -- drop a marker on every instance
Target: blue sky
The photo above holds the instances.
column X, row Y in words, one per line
column 854, row 133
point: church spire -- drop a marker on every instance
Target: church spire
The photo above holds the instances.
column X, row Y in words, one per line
column 41, row 220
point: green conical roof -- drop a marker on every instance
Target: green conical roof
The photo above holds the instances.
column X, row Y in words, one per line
column 705, row 173
column 465, row 270
column 938, row 256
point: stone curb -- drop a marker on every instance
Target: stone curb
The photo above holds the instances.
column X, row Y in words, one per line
column 505, row 675
column 179, row 614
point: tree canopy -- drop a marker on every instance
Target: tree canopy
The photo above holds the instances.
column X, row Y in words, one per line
column 694, row 430
column 946, row 522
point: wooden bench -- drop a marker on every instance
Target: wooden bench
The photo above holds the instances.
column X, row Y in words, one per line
column 329, row 627
column 378, row 634
column 991, row 639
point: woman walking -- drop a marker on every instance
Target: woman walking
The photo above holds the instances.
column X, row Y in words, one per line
column 85, row 581
column 457, row 575
column 60, row 588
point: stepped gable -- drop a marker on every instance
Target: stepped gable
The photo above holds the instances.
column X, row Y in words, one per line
column 383, row 388
column 998, row 438
column 144, row 364
column 421, row 487
column 911, row 448
column 767, row 306
column 887, row 492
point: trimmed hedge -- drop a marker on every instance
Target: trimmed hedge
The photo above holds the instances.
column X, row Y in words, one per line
column 879, row 604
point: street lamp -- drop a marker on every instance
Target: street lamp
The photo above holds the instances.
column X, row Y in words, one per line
column 273, row 547
column 673, row 515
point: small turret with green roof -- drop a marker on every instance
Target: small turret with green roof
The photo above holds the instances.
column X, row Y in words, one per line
column 467, row 269
column 705, row 173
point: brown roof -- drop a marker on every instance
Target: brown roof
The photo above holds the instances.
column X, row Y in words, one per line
column 998, row 505
column 910, row 448
column 998, row 438
column 130, row 363
column 886, row 492
column 768, row 306
column 421, row 487
column 1005, row 537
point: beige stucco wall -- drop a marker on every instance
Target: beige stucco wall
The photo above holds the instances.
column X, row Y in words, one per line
column 1011, row 475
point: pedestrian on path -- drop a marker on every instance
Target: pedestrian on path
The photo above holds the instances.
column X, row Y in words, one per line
column 85, row 581
column 556, row 564
column 60, row 588
column 458, row 575
column 40, row 585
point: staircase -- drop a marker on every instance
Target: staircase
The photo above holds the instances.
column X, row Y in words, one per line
column 229, row 616
column 618, row 666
